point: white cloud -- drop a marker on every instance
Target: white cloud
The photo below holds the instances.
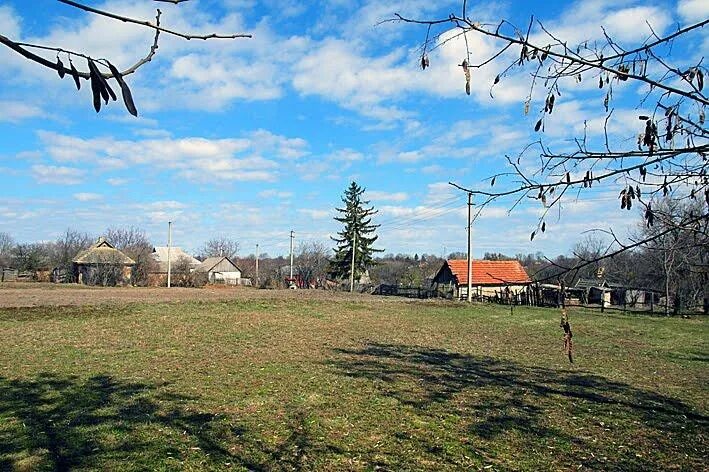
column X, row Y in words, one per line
column 57, row 174
column 346, row 155
column 87, row 196
column 582, row 21
column 693, row 10
column 377, row 195
column 116, row 181
column 275, row 193
column 195, row 158
column 315, row 214
column 9, row 22
column 15, row 111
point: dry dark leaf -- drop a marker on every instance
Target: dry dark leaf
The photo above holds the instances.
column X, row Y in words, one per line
column 538, row 126
column 497, row 79
column 531, row 237
column 544, row 226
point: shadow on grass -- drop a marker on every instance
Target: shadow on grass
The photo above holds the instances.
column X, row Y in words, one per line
column 495, row 398
column 63, row 423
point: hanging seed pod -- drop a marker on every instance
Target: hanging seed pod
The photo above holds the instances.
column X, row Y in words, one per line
column 97, row 83
column 538, row 126
column 544, row 226
column 466, row 71
column 649, row 215
column 75, row 76
column 125, row 91
column 545, row 54
column 60, row 68
column 531, row 237
column 700, row 80
column 96, row 86
column 600, row 82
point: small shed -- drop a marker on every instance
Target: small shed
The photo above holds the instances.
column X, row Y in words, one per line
column 102, row 264
column 490, row 278
column 595, row 291
column 220, row 270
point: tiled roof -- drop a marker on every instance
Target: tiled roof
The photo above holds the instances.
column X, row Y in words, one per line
column 489, row 272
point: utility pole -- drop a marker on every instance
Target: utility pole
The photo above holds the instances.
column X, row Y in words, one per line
column 470, row 260
column 292, row 235
column 352, row 267
column 169, row 244
column 257, row 279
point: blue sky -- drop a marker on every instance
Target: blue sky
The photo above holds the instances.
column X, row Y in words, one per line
column 251, row 138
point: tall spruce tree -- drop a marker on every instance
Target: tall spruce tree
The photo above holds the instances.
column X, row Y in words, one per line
column 356, row 217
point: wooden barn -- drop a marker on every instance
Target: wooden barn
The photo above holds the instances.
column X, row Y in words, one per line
column 490, row 278
column 221, row 270
column 102, row 264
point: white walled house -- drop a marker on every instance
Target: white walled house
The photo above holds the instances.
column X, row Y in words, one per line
column 221, row 270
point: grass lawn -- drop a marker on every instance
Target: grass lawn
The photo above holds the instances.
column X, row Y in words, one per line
column 348, row 383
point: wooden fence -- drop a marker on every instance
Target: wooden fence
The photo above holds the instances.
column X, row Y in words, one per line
column 409, row 292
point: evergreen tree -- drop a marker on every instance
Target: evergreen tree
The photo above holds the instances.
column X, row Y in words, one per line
column 356, row 217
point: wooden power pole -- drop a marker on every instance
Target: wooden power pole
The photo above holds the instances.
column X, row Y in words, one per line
column 292, row 235
column 169, row 244
column 470, row 257
column 352, row 267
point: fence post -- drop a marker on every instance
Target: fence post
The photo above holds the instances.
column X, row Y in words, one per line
column 652, row 302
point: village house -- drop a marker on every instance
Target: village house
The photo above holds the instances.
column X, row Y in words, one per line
column 157, row 276
column 222, row 270
column 597, row 291
column 489, row 278
column 102, row 264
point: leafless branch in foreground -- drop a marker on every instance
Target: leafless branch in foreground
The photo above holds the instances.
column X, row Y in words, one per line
column 101, row 90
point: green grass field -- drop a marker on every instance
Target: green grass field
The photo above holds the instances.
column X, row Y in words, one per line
column 349, row 383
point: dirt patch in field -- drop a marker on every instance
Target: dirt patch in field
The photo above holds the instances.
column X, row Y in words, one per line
column 38, row 294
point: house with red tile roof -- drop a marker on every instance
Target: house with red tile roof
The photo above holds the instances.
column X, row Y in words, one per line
column 490, row 278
